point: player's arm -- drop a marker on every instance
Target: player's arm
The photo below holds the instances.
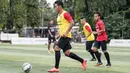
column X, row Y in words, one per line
column 70, row 20
column 89, row 30
column 102, row 27
column 49, row 32
column 57, row 35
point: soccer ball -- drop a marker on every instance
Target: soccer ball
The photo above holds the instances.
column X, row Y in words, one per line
column 26, row 67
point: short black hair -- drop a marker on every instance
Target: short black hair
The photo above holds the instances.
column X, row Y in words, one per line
column 83, row 18
column 59, row 3
column 98, row 13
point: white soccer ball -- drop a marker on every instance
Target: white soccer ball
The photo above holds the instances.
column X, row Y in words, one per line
column 26, row 67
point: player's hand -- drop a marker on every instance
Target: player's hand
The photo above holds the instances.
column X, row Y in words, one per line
column 86, row 37
column 64, row 35
column 99, row 33
column 57, row 36
column 94, row 32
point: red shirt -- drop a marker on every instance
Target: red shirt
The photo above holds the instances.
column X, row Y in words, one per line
column 68, row 17
column 88, row 28
column 101, row 36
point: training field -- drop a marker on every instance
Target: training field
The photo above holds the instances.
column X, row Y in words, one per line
column 13, row 56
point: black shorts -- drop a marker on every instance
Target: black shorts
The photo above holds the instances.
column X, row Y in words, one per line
column 51, row 39
column 89, row 45
column 64, row 43
column 101, row 44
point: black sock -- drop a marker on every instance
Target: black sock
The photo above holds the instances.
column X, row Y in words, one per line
column 107, row 57
column 92, row 54
column 57, row 58
column 98, row 55
column 74, row 56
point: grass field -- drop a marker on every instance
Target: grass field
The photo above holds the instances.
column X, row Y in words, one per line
column 13, row 56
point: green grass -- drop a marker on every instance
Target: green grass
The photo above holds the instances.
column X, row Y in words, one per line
column 13, row 56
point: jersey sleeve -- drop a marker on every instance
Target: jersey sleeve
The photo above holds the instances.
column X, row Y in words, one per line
column 102, row 27
column 68, row 17
column 88, row 28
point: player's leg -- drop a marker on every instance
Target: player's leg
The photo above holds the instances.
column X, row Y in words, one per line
column 72, row 55
column 49, row 43
column 88, row 48
column 98, row 55
column 57, row 60
column 57, row 56
column 104, row 49
column 54, row 40
column 76, row 57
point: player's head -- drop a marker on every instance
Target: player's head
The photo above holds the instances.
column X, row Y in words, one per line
column 97, row 16
column 58, row 5
column 51, row 22
column 83, row 21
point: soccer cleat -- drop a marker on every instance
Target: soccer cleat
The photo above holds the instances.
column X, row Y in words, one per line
column 52, row 50
column 53, row 70
column 98, row 64
column 108, row 65
column 84, row 65
column 93, row 59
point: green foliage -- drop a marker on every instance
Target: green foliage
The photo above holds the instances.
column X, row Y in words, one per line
column 117, row 26
column 3, row 13
column 115, row 13
column 114, row 25
column 19, row 15
column 33, row 15
column 47, row 13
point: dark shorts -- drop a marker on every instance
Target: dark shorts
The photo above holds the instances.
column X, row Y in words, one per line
column 64, row 43
column 51, row 39
column 101, row 44
column 89, row 45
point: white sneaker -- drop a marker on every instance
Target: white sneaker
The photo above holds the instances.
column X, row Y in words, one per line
column 52, row 50
column 49, row 52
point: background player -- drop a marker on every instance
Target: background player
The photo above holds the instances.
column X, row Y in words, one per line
column 51, row 35
column 89, row 37
column 101, row 39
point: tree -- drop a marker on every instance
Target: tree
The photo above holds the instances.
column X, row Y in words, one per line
column 33, row 14
column 112, row 11
column 47, row 13
column 3, row 13
column 19, row 15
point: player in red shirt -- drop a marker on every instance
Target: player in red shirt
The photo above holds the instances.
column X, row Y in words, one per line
column 101, row 40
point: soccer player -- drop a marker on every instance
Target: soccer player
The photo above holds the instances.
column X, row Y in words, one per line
column 65, row 23
column 51, row 35
column 89, row 37
column 101, row 40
